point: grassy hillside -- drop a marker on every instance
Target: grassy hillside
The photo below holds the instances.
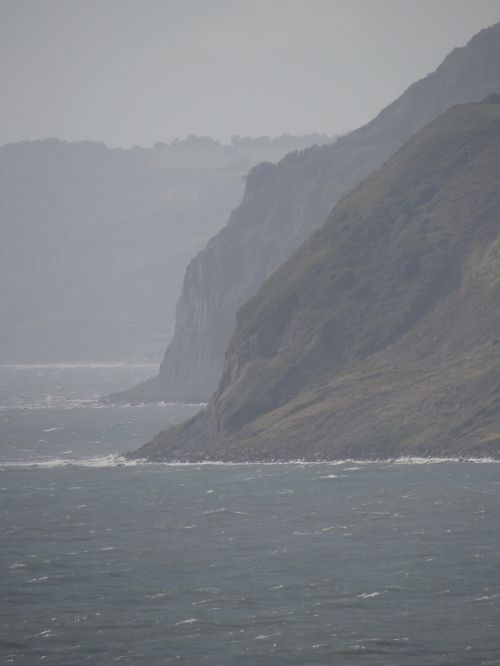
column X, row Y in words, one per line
column 281, row 208
column 379, row 336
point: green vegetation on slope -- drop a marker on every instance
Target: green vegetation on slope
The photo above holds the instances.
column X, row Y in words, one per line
column 377, row 336
column 389, row 251
column 282, row 207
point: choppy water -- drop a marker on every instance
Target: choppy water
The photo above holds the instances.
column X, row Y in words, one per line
column 346, row 564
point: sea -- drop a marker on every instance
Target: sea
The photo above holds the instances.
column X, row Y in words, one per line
column 104, row 561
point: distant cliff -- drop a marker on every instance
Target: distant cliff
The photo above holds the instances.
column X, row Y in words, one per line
column 282, row 206
column 379, row 337
column 95, row 242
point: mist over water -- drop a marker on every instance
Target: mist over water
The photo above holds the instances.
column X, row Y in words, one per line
column 198, row 150
column 224, row 564
column 50, row 415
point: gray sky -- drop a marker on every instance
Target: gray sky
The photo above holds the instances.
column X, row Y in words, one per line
column 135, row 71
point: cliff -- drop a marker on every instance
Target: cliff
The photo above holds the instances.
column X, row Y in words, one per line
column 379, row 336
column 283, row 205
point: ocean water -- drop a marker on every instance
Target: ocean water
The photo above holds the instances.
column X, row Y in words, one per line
column 344, row 564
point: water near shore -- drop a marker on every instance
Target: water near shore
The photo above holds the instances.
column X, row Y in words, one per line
column 350, row 563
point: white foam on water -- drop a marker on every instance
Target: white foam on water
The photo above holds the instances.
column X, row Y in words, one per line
column 308, row 463
column 51, row 402
column 77, row 364
column 487, row 597
column 191, row 620
column 96, row 461
column 121, row 461
column 404, row 460
column 46, row 633
column 411, row 460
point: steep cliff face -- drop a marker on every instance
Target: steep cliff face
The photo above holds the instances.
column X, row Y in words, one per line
column 281, row 208
column 379, row 336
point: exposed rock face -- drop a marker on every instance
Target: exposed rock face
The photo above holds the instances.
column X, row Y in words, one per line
column 283, row 205
column 379, row 336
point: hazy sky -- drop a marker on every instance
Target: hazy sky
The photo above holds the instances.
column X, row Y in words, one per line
column 135, row 71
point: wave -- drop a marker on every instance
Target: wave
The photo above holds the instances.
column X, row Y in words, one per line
column 409, row 460
column 51, row 402
column 96, row 461
column 347, row 461
column 403, row 460
column 121, row 461
column 77, row 364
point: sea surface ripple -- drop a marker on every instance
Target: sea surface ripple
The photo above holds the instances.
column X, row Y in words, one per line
column 101, row 562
